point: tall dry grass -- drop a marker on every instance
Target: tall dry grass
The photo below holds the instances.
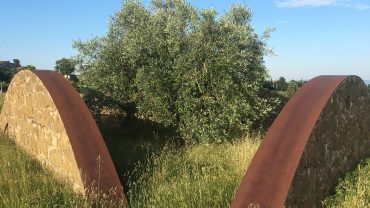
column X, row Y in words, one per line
column 197, row 176
column 353, row 191
column 24, row 182
column 174, row 176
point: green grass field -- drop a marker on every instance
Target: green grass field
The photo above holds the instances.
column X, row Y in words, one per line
column 200, row 176
column 25, row 183
column 156, row 171
column 353, row 191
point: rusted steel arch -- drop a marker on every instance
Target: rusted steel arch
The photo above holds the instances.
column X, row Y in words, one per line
column 269, row 178
column 96, row 169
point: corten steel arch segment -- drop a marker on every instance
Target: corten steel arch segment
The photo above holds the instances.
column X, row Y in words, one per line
column 270, row 174
column 91, row 153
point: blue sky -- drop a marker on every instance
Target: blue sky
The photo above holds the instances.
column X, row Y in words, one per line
column 312, row 37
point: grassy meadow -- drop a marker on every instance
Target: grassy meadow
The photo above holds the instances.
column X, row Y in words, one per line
column 157, row 170
column 24, row 182
column 197, row 176
column 353, row 190
column 202, row 176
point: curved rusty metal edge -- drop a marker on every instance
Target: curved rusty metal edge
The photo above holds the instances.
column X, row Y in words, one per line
column 93, row 159
column 270, row 174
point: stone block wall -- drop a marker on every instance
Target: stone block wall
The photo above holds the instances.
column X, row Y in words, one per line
column 30, row 117
column 339, row 139
column 321, row 133
column 45, row 115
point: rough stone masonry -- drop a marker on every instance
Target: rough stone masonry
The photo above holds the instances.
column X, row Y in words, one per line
column 321, row 133
column 31, row 118
column 340, row 138
column 45, row 115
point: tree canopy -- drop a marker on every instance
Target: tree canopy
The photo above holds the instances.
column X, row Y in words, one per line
column 282, row 85
column 7, row 73
column 17, row 63
column 190, row 69
column 65, row 66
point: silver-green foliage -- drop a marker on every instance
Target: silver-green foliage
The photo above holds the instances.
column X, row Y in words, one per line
column 183, row 67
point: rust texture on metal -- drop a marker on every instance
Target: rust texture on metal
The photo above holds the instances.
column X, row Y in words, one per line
column 92, row 156
column 270, row 174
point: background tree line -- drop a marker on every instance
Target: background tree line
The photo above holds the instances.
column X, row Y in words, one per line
column 7, row 73
column 284, row 88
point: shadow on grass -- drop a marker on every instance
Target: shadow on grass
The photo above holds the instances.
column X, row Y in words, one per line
column 133, row 141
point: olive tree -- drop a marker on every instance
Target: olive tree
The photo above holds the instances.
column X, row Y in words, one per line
column 181, row 67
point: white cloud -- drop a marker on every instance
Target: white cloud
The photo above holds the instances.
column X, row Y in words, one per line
column 302, row 3
column 320, row 3
column 361, row 6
